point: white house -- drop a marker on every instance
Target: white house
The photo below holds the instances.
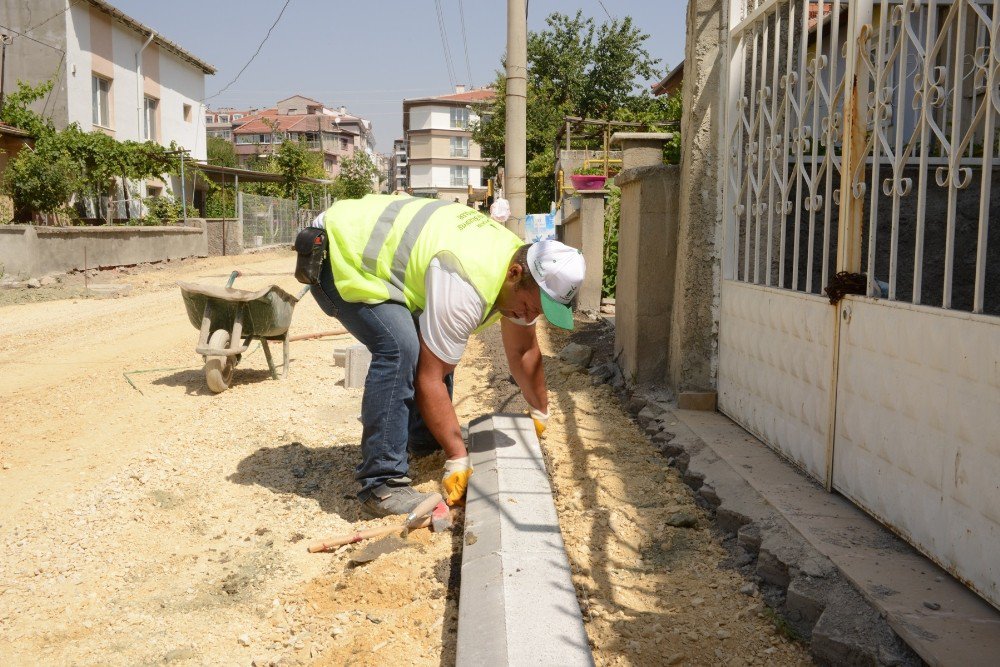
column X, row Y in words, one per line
column 111, row 73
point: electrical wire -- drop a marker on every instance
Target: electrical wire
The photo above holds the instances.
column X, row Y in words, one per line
column 59, row 13
column 605, row 10
column 29, row 37
column 465, row 40
column 255, row 54
column 444, row 42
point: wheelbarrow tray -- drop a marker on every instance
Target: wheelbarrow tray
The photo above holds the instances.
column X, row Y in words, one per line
column 267, row 313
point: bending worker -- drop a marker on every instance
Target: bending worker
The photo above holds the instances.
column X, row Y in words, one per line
column 412, row 279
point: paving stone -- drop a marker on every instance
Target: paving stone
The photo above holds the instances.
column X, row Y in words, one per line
column 697, row 401
column 357, row 360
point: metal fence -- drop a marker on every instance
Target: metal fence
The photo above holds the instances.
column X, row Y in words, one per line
column 917, row 205
column 270, row 221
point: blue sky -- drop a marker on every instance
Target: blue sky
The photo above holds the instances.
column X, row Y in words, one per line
column 370, row 55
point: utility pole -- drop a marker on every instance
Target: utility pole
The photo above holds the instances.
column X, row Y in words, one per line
column 515, row 153
column 5, row 39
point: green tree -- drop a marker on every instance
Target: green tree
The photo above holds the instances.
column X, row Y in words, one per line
column 16, row 109
column 37, row 182
column 357, row 177
column 221, row 152
column 575, row 68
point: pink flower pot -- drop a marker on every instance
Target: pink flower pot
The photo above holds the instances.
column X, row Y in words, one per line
column 587, row 182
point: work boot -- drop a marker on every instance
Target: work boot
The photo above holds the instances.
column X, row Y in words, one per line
column 395, row 496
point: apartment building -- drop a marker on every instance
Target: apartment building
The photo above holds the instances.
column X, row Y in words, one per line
column 333, row 132
column 398, row 180
column 221, row 122
column 111, row 72
column 442, row 159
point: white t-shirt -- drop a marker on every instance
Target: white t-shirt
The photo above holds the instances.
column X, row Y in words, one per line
column 453, row 309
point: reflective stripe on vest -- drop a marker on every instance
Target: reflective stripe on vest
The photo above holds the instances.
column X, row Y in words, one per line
column 380, row 234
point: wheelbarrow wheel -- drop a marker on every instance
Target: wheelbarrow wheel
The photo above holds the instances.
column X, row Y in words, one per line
column 219, row 369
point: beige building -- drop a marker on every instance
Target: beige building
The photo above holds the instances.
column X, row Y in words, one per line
column 442, row 159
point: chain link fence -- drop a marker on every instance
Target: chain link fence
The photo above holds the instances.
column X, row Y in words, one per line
column 270, row 221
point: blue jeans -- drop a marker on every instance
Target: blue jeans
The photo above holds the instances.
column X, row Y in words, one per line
column 389, row 413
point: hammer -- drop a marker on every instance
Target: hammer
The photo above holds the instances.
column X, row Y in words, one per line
column 419, row 517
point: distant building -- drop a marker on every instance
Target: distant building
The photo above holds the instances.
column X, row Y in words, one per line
column 221, row 122
column 671, row 83
column 333, row 132
column 442, row 159
column 398, row 181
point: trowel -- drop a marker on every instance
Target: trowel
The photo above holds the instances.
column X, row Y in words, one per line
column 425, row 514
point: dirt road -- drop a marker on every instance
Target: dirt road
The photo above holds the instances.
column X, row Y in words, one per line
column 170, row 525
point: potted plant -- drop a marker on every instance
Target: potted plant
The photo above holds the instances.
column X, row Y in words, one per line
column 589, row 178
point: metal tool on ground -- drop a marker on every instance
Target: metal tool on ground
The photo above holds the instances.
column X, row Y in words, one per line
column 420, row 517
column 229, row 319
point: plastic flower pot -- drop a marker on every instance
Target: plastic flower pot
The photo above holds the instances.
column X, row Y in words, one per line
column 587, row 182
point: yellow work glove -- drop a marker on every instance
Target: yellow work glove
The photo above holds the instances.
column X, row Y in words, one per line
column 540, row 418
column 456, row 480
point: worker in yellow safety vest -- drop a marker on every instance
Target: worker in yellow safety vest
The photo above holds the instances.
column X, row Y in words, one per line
column 412, row 279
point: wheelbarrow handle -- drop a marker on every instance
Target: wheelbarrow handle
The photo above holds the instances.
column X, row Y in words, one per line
column 232, row 278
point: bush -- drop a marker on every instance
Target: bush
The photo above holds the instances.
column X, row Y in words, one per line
column 40, row 182
column 161, row 210
column 612, row 217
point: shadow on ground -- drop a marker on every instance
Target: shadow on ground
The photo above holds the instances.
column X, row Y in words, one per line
column 193, row 379
column 323, row 474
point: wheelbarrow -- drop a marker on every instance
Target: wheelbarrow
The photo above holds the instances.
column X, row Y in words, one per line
column 230, row 318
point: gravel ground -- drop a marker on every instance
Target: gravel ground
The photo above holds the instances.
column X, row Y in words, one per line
column 169, row 526
column 652, row 593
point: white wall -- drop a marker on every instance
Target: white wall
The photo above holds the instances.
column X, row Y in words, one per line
column 180, row 83
column 439, row 176
column 433, row 118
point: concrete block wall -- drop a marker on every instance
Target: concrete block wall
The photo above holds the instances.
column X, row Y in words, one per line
column 224, row 236
column 29, row 252
column 584, row 229
column 647, row 256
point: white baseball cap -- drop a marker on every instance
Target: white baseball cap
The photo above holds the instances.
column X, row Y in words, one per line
column 558, row 269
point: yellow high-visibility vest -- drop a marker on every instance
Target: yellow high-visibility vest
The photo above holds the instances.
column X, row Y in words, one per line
column 381, row 246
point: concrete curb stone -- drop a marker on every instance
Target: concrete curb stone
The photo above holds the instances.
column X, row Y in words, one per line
column 517, row 604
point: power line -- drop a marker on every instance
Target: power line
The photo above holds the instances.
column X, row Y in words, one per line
column 465, row 41
column 444, row 42
column 29, row 37
column 59, row 13
column 605, row 9
column 255, row 54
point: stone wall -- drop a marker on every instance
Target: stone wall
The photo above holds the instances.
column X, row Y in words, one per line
column 28, row 251
column 694, row 326
column 224, row 236
column 647, row 256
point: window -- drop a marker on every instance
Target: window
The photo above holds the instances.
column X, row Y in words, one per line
column 209, row 118
column 459, row 118
column 460, row 147
column 459, row 177
column 223, row 118
column 343, row 144
column 237, row 116
column 149, row 119
column 187, row 113
column 100, row 102
column 244, row 139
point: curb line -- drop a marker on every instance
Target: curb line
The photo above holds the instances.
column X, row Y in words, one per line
column 517, row 604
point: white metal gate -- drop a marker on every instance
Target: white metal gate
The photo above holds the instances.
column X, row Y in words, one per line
column 861, row 137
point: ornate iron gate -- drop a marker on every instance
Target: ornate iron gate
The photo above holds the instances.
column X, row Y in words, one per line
column 861, row 137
